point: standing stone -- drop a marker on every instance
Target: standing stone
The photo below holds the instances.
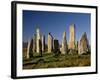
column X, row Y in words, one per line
column 72, row 37
column 29, row 49
column 38, row 41
column 40, row 46
column 77, row 46
column 64, row 48
column 34, row 43
column 43, row 43
column 83, row 46
column 60, row 49
column 56, row 46
column 50, row 43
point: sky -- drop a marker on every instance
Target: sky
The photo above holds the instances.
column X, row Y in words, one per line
column 56, row 23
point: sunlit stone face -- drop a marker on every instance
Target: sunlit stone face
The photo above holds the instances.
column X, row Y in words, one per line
column 72, row 37
column 50, row 43
column 38, row 40
column 38, row 33
column 64, row 44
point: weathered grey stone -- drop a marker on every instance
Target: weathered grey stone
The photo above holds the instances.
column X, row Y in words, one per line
column 83, row 46
column 56, row 46
column 43, row 43
column 64, row 48
column 29, row 49
column 50, row 43
column 34, row 43
column 72, row 37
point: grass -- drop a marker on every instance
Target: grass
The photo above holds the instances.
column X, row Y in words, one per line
column 49, row 60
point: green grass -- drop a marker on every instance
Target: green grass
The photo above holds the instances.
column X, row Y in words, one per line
column 49, row 60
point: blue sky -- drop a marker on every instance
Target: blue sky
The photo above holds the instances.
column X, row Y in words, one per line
column 56, row 23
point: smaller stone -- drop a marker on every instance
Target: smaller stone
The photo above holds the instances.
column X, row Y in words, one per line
column 83, row 46
column 50, row 43
column 43, row 43
column 56, row 46
column 29, row 49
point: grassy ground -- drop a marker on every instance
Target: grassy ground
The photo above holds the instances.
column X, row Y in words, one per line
column 49, row 60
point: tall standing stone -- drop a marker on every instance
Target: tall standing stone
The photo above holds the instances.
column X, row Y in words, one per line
column 34, row 43
column 43, row 43
column 72, row 37
column 64, row 48
column 50, row 43
column 77, row 46
column 83, row 46
column 56, row 46
column 38, row 41
column 29, row 49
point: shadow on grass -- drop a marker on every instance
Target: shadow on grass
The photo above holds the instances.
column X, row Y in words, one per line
column 34, row 62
